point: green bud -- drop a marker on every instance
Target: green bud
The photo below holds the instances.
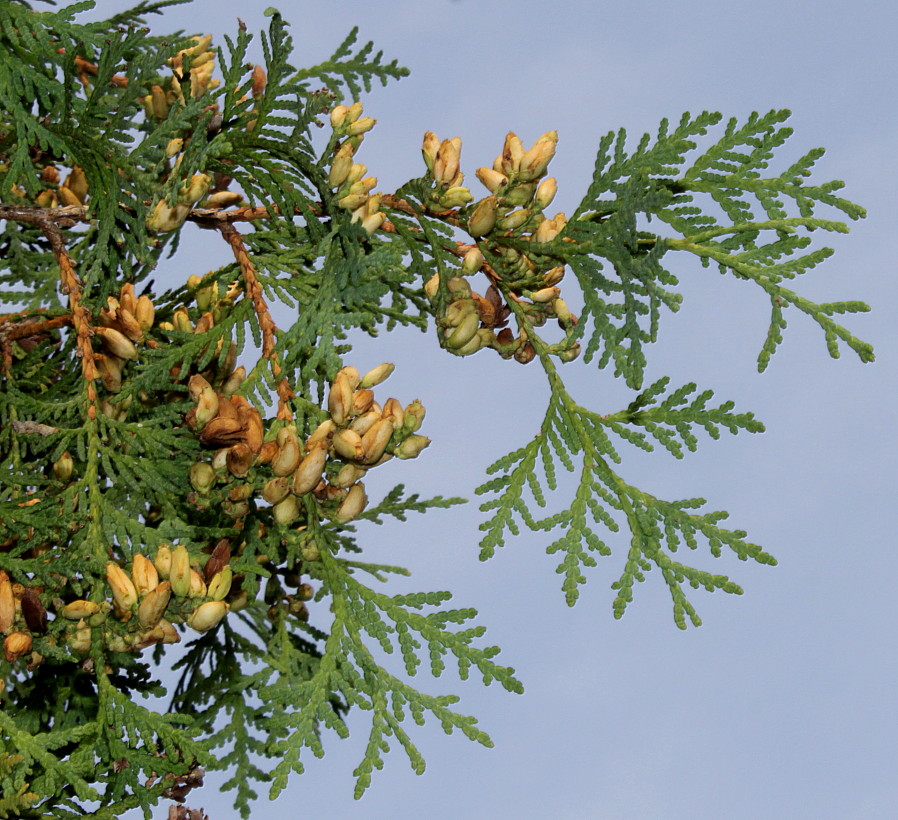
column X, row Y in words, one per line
column 412, row 446
column 202, row 477
column 414, row 416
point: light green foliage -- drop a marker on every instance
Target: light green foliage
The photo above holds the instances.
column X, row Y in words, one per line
column 152, row 490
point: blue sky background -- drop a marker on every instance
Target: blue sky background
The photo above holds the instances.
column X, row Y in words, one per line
column 783, row 704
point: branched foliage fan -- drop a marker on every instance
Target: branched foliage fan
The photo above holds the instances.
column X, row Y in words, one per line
column 152, row 490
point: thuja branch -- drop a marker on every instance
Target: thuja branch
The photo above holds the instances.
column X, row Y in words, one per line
column 171, row 499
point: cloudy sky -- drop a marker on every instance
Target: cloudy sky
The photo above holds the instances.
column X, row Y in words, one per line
column 783, row 704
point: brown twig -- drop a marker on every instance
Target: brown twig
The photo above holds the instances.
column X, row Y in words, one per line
column 66, row 216
column 266, row 324
column 27, row 328
column 71, row 286
column 84, row 68
column 32, row 327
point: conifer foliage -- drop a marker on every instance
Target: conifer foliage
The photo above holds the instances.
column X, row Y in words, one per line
column 178, row 468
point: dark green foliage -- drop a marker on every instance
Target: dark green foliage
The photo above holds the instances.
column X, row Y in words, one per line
column 101, row 469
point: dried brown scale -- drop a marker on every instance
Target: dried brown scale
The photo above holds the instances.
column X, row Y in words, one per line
column 33, row 611
column 219, row 558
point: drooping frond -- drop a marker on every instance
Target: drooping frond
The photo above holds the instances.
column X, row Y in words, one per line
column 603, row 500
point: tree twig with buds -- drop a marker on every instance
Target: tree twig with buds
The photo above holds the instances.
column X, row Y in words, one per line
column 266, row 324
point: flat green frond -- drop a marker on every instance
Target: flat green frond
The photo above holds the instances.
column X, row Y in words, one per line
column 603, row 501
column 672, row 422
column 657, row 528
column 349, row 668
column 352, row 70
column 727, row 208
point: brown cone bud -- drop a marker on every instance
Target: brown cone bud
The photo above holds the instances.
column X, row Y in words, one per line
column 207, row 616
column 353, row 504
column 361, row 401
column 348, row 444
column 536, row 160
column 220, row 558
column 123, row 592
column 117, row 343
column 429, row 149
column 33, row 611
column 276, row 489
column 308, row 474
column 483, row 219
column 197, row 585
column 233, row 382
column 375, row 441
column 377, row 375
column 253, row 429
column 16, row 645
column 76, row 182
column 267, row 453
column 288, row 457
column 145, row 313
column 321, row 433
column 7, row 603
column 197, row 386
column 348, row 475
column 526, row 354
column 162, row 561
column 512, row 152
column 491, row 178
column 240, row 459
column 545, row 295
column 394, row 411
column 153, row 606
column 221, row 431
column 76, row 610
column 362, row 424
column 286, row 511
column 144, row 575
column 339, row 400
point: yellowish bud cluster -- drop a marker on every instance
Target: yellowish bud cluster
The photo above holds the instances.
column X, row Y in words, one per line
column 201, row 60
column 353, row 188
column 518, row 195
column 148, row 602
column 358, row 435
column 74, row 190
column 443, row 161
column 231, row 425
column 71, row 193
column 468, row 318
column 202, row 63
column 123, row 323
column 512, row 183
column 165, row 218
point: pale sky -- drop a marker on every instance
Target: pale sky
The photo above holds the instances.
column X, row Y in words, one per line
column 783, row 704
